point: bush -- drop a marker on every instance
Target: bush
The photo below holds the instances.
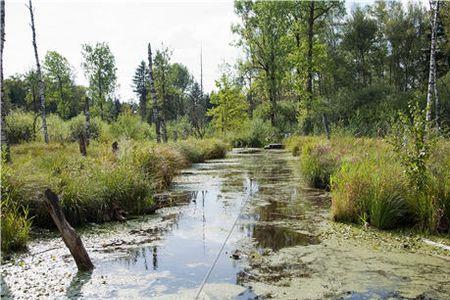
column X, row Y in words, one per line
column 131, row 127
column 57, row 128
column 255, row 133
column 20, row 126
column 77, row 125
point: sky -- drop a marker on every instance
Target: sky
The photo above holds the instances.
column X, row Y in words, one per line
column 184, row 26
column 63, row 26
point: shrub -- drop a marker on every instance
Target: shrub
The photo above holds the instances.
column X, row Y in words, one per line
column 255, row 133
column 57, row 128
column 20, row 126
column 131, row 127
column 77, row 125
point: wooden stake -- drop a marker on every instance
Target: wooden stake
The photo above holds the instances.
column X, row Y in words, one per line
column 69, row 236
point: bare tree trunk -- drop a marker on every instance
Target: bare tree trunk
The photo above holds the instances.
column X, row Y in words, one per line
column 39, row 76
column 436, row 94
column 153, row 94
column 164, row 130
column 87, row 114
column 432, row 72
column 326, row 125
column 69, row 236
column 4, row 138
column 309, row 83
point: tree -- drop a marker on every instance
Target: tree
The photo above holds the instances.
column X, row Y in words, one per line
column 229, row 105
column 140, row 87
column 59, row 77
column 163, row 86
column 262, row 31
column 197, row 109
column 4, row 137
column 100, row 69
column 434, row 6
column 39, row 76
column 151, row 83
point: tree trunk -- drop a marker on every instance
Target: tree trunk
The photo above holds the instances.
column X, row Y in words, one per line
column 153, row 94
column 82, row 142
column 309, row 82
column 87, row 114
column 432, row 72
column 326, row 125
column 164, row 130
column 4, row 138
column 39, row 76
column 69, row 236
column 436, row 94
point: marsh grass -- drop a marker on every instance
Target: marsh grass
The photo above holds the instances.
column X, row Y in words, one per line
column 91, row 188
column 369, row 184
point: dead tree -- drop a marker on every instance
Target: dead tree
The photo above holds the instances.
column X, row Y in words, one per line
column 151, row 82
column 69, row 236
column 4, row 138
column 39, row 76
column 82, row 141
column 434, row 6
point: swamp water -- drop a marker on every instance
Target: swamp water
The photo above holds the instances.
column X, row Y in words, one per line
column 283, row 250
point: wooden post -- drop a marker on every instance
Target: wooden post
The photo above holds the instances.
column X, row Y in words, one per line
column 69, row 236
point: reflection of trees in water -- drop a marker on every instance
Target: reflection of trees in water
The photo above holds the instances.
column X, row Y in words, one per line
column 277, row 237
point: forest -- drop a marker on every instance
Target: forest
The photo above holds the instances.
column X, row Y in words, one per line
column 359, row 98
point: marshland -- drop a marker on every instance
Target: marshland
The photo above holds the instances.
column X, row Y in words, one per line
column 225, row 150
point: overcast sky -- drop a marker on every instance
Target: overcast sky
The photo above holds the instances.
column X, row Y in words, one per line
column 127, row 26
column 63, row 25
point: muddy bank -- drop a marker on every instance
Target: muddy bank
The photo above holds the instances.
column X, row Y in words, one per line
column 288, row 248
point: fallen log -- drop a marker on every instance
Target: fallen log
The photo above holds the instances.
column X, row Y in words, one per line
column 69, row 236
column 274, row 146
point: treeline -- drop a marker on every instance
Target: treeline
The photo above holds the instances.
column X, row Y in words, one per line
column 310, row 65
column 178, row 95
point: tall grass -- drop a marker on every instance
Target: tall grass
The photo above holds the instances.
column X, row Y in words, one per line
column 92, row 188
column 15, row 223
column 369, row 183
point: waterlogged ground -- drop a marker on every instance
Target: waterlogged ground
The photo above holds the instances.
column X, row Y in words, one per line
column 286, row 246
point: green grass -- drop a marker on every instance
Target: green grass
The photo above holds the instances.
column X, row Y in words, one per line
column 369, row 184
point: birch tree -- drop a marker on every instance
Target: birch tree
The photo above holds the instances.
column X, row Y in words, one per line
column 434, row 6
column 151, row 83
column 41, row 94
column 4, row 138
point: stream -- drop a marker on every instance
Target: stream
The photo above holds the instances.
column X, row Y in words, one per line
column 279, row 248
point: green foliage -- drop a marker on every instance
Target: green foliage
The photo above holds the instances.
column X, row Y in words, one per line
column 77, row 126
column 20, row 126
column 95, row 187
column 59, row 84
column 317, row 164
column 254, row 133
column 370, row 190
column 230, row 109
column 100, row 69
column 131, row 127
column 14, row 217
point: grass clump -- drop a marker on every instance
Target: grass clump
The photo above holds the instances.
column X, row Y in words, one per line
column 15, row 223
column 318, row 163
